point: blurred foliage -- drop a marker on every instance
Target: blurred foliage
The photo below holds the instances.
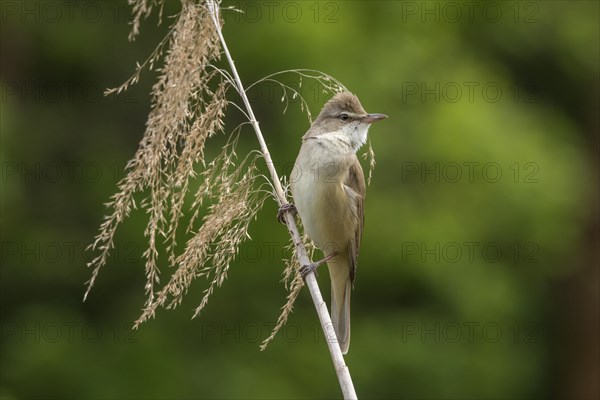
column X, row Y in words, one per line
column 480, row 207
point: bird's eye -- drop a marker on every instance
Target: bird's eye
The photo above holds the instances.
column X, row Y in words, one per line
column 344, row 117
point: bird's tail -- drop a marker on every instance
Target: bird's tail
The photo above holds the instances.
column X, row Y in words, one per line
column 341, row 287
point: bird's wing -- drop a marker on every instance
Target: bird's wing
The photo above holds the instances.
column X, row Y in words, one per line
column 355, row 187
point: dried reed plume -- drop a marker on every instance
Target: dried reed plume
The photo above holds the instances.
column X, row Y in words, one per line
column 293, row 282
column 185, row 113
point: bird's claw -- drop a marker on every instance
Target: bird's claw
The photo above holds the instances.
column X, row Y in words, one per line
column 283, row 209
column 307, row 269
column 312, row 267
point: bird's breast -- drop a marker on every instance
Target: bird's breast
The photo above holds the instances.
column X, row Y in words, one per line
column 320, row 197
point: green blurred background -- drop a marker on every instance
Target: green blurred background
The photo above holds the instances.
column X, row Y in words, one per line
column 478, row 274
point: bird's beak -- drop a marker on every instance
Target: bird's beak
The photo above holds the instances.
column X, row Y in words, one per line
column 370, row 118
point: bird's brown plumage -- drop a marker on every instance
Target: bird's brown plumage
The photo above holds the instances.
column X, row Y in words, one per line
column 344, row 101
column 355, row 186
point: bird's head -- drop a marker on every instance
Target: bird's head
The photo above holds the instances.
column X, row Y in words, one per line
column 344, row 115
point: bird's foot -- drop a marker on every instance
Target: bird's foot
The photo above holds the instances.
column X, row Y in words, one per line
column 283, row 209
column 307, row 269
column 312, row 267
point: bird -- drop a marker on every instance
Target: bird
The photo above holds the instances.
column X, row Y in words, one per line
column 328, row 190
